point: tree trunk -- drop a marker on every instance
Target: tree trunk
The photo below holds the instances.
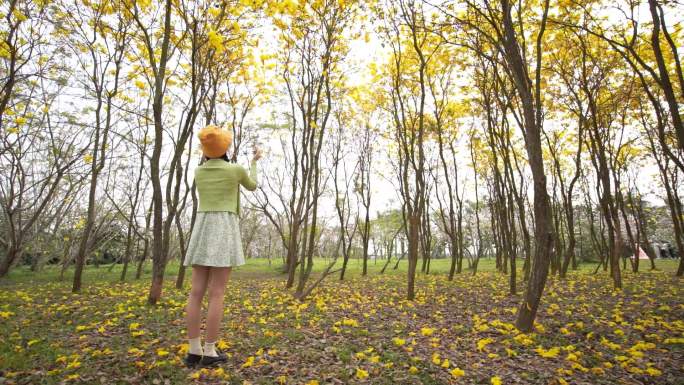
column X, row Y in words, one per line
column 12, row 255
column 533, row 126
column 414, row 228
column 159, row 258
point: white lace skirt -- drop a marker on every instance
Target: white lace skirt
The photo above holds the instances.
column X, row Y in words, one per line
column 215, row 240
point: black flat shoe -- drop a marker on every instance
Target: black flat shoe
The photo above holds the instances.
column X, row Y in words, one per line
column 211, row 361
column 191, row 360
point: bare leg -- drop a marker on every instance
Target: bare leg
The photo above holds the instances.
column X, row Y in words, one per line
column 218, row 277
column 200, row 278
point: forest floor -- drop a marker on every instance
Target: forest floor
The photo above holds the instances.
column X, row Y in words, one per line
column 361, row 330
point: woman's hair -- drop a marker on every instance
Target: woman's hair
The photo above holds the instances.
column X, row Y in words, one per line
column 224, row 157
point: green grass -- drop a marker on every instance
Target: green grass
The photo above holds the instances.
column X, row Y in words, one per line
column 260, row 268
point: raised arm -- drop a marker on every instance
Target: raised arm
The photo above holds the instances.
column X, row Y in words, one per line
column 249, row 181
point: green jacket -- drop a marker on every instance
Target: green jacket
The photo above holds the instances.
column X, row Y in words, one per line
column 218, row 184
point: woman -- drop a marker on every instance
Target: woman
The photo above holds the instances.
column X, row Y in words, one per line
column 215, row 245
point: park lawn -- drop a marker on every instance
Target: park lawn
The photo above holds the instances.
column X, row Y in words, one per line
column 360, row 330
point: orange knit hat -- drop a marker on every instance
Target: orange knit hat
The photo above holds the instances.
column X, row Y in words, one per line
column 215, row 141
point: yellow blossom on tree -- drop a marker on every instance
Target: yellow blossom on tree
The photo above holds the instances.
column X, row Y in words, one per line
column 216, row 41
column 19, row 15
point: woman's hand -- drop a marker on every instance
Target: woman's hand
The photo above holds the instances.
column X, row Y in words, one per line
column 257, row 153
